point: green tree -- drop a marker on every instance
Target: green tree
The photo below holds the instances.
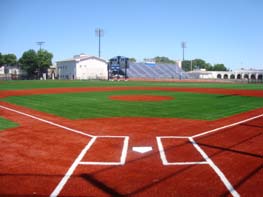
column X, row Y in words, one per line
column 186, row 65
column 164, row 60
column 219, row 67
column 44, row 60
column 1, row 60
column 29, row 62
column 10, row 59
column 36, row 63
column 132, row 59
column 209, row 67
column 199, row 64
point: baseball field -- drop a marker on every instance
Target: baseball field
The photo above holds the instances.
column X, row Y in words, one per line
column 130, row 138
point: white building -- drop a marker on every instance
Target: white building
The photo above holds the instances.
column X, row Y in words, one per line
column 82, row 67
column 15, row 70
column 11, row 72
column 251, row 74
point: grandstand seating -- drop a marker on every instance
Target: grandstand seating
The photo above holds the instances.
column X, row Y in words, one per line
column 157, row 71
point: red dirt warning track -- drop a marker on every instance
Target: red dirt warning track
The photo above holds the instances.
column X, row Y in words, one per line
column 36, row 155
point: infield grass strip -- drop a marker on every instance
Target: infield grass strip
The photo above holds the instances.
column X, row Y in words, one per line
column 6, row 124
column 33, row 84
column 98, row 105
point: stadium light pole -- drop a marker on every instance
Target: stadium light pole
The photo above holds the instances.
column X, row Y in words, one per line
column 40, row 43
column 183, row 45
column 99, row 33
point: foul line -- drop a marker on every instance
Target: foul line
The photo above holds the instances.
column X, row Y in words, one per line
column 46, row 121
column 215, row 168
column 77, row 161
column 227, row 126
column 208, row 161
column 163, row 156
column 72, row 168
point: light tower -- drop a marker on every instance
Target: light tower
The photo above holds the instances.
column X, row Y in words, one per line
column 99, row 33
column 40, row 43
column 183, row 45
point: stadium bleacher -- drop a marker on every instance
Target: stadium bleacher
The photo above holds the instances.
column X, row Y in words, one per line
column 156, row 71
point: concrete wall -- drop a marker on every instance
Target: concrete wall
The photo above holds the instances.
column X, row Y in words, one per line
column 242, row 74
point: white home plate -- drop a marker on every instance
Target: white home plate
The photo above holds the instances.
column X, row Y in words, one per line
column 142, row 149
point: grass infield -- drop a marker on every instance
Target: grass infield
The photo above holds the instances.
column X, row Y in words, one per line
column 6, row 124
column 98, row 105
column 27, row 84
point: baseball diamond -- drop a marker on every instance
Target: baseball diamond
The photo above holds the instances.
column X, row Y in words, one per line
column 95, row 138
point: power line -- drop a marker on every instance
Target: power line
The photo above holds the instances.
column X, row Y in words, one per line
column 40, row 43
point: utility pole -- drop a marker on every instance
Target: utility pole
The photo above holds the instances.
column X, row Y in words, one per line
column 40, row 43
column 99, row 33
column 183, row 45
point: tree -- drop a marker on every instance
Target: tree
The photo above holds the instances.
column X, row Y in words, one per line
column 202, row 64
column 132, row 59
column 10, row 59
column 199, row 64
column 219, row 67
column 164, row 60
column 36, row 63
column 44, row 60
column 1, row 60
column 29, row 62
column 186, row 65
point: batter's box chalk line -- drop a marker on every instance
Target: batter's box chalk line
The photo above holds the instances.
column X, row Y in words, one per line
column 163, row 155
column 123, row 155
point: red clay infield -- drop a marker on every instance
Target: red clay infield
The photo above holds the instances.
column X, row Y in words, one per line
column 36, row 155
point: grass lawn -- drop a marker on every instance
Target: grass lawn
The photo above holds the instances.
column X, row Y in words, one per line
column 97, row 105
column 5, row 124
column 32, row 84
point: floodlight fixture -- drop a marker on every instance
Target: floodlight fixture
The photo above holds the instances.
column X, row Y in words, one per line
column 183, row 45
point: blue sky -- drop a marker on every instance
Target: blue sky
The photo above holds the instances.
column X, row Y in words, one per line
column 218, row 31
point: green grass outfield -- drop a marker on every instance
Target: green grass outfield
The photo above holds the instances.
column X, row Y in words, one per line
column 6, row 124
column 32, row 84
column 98, row 105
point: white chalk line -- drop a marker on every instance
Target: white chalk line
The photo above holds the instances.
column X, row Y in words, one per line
column 125, row 149
column 208, row 161
column 48, row 122
column 221, row 175
column 77, row 161
column 227, row 126
column 72, row 168
column 163, row 155
column 122, row 157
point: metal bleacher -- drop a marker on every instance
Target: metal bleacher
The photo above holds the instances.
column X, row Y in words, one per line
column 156, row 71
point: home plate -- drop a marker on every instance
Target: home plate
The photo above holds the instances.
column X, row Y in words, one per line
column 142, row 149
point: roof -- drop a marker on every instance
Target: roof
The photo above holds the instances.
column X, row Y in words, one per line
column 82, row 57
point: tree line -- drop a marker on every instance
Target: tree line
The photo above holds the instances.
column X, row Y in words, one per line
column 188, row 65
column 34, row 63
column 196, row 64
